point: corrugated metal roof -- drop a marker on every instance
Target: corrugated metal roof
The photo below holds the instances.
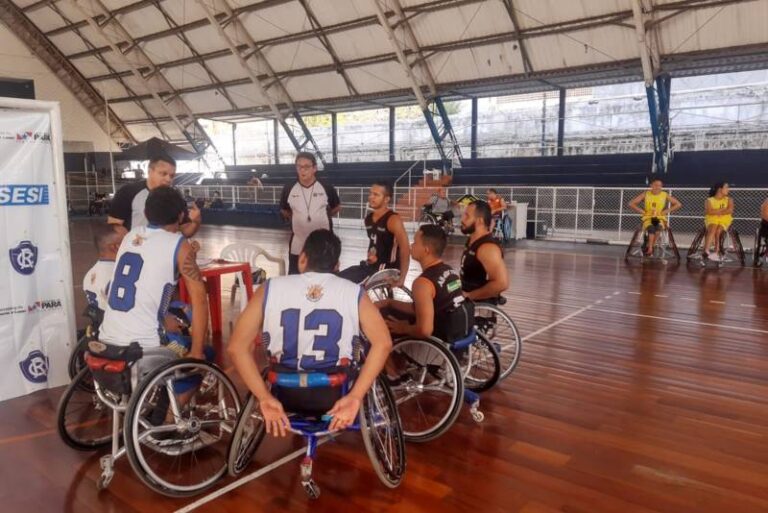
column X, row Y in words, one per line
column 323, row 49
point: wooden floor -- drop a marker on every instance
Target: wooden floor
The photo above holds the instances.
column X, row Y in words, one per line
column 640, row 389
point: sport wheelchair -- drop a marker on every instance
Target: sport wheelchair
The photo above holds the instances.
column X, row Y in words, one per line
column 176, row 420
column 306, row 396
column 432, row 377
column 730, row 248
column 664, row 248
column 428, row 216
column 490, row 319
column 502, row 228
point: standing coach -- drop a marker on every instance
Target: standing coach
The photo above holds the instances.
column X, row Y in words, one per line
column 309, row 204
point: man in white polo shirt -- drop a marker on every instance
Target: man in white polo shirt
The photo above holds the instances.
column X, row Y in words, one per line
column 309, row 204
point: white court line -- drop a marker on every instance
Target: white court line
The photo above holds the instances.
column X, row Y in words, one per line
column 563, row 319
column 618, row 312
column 660, row 295
column 748, row 306
column 250, row 477
column 687, row 299
column 634, row 293
column 684, row 321
column 717, row 302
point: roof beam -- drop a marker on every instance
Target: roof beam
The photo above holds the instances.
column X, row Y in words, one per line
column 184, row 39
column 510, row 7
column 740, row 58
column 154, row 82
column 323, row 37
column 253, row 56
column 18, row 23
column 87, row 42
column 434, row 5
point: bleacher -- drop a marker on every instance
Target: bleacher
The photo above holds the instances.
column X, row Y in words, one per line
column 186, row 179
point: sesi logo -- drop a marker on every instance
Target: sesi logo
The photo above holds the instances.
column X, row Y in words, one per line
column 16, row 195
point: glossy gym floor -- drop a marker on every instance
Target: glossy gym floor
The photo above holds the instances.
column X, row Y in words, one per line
column 641, row 388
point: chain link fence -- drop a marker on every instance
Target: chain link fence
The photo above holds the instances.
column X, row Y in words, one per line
column 559, row 213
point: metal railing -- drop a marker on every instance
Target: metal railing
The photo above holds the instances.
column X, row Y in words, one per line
column 562, row 213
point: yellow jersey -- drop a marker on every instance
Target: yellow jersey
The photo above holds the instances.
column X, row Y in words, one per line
column 654, row 205
column 723, row 220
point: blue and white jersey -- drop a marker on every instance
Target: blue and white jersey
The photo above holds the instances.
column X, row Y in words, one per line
column 142, row 285
column 311, row 320
column 96, row 283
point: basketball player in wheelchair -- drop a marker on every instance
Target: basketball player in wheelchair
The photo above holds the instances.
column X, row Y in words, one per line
column 761, row 238
column 657, row 237
column 320, row 378
column 173, row 410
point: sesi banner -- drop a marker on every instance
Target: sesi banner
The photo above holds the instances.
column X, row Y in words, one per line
column 36, row 310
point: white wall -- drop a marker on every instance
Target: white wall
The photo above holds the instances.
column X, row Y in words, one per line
column 80, row 129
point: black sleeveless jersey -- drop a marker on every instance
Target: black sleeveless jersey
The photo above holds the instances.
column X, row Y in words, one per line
column 453, row 313
column 382, row 247
column 473, row 275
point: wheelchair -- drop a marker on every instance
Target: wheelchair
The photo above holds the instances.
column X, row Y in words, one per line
column 731, row 249
column 428, row 216
column 495, row 325
column 502, row 228
column 760, row 257
column 176, row 445
column 378, row 421
column 664, row 248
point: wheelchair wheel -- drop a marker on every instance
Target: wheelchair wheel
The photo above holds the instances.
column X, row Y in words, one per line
column 761, row 249
column 428, row 387
column 673, row 245
column 738, row 248
column 635, row 248
column 83, row 421
column 385, row 291
column 500, row 330
column 249, row 432
column 383, row 434
column 484, row 368
column 695, row 249
column 178, row 426
column 77, row 358
column 427, row 218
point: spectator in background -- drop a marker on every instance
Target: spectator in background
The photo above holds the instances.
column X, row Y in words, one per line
column 442, row 206
column 217, row 202
column 309, row 204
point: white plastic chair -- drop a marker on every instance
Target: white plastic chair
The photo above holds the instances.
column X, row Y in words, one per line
column 251, row 253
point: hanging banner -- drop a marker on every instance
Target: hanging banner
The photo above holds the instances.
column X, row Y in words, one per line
column 36, row 296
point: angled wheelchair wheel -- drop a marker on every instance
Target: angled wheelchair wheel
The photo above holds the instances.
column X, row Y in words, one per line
column 77, row 358
column 695, row 249
column 500, row 330
column 83, row 421
column 178, row 427
column 249, row 433
column 428, row 387
column 761, row 250
column 384, row 291
column 635, row 248
column 482, row 368
column 672, row 245
column 427, row 218
column 383, row 434
column 736, row 247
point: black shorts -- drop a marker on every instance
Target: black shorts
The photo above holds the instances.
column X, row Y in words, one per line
column 308, row 402
column 293, row 264
column 358, row 273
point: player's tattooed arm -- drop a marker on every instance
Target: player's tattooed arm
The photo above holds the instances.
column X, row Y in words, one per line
column 189, row 267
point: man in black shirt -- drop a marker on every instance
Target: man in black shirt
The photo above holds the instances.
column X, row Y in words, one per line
column 483, row 273
column 309, row 204
column 438, row 307
column 387, row 239
column 127, row 207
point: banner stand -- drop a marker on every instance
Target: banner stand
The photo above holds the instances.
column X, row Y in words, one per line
column 37, row 316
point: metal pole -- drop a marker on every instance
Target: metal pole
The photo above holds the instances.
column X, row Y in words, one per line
column 536, row 215
column 621, row 210
column 276, row 133
column 473, row 136
column 234, row 144
column 544, row 125
column 334, row 138
column 109, row 144
column 576, row 220
column 561, row 124
column 391, row 134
